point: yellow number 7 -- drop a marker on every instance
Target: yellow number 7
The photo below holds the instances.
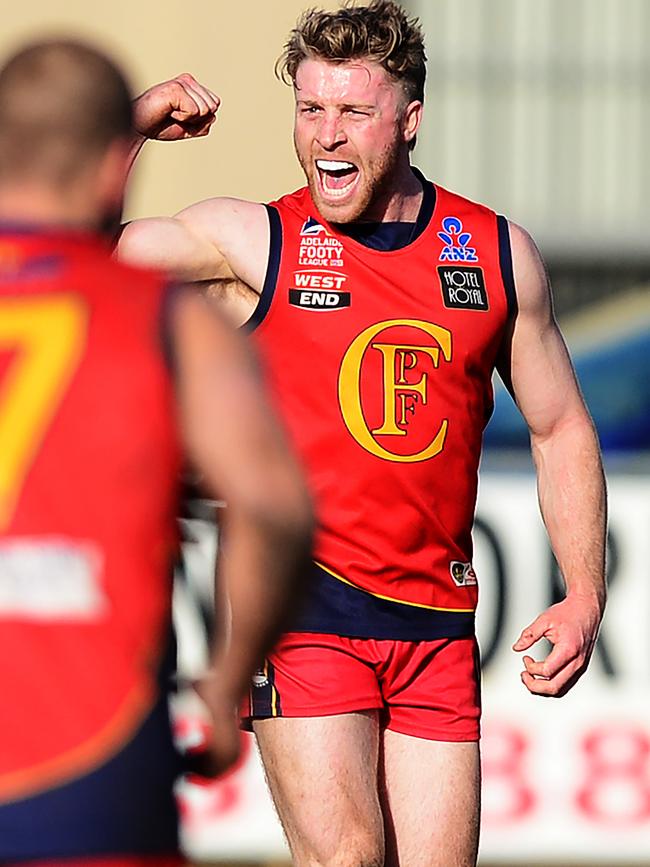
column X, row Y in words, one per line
column 46, row 335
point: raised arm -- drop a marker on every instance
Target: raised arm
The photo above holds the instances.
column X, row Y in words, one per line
column 538, row 371
column 234, row 439
column 221, row 243
column 173, row 110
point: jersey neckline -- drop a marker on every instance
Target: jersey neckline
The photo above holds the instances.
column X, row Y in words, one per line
column 421, row 224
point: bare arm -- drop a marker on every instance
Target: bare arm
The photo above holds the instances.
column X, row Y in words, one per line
column 221, row 243
column 571, row 485
column 177, row 109
column 234, row 439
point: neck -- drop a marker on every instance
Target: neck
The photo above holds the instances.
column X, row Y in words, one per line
column 401, row 201
column 39, row 205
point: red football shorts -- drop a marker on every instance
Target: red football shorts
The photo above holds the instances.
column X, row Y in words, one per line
column 428, row 689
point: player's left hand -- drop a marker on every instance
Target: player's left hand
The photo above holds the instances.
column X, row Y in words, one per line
column 176, row 109
column 572, row 628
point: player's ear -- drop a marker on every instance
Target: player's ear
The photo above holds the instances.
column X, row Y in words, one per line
column 411, row 119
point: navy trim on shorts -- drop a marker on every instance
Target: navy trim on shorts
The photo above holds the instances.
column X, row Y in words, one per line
column 272, row 270
column 334, row 607
column 265, row 698
column 505, row 261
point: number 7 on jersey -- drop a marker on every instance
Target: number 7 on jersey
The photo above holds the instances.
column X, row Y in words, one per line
column 45, row 336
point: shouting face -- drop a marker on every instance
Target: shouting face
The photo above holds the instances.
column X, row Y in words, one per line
column 352, row 129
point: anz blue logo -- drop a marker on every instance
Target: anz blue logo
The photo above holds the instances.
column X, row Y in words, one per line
column 456, row 241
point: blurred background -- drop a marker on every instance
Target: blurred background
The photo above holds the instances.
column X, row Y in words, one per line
column 541, row 110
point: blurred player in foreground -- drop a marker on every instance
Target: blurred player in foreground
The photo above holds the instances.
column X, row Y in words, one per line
column 105, row 374
column 382, row 304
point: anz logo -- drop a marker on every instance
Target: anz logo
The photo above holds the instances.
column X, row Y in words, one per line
column 456, row 241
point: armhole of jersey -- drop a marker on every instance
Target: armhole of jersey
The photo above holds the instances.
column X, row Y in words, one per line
column 505, row 261
column 272, row 270
column 114, row 232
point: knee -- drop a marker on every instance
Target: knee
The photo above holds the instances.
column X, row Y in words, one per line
column 358, row 851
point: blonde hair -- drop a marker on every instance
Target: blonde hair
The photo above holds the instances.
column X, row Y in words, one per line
column 380, row 31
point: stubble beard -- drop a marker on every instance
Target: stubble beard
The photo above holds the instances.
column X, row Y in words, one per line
column 370, row 199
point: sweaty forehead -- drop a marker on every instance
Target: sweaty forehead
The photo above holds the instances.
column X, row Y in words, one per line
column 352, row 81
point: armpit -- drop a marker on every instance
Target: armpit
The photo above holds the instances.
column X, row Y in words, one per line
column 235, row 299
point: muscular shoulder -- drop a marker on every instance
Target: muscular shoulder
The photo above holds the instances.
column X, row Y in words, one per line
column 531, row 279
column 222, row 218
column 216, row 239
column 238, row 229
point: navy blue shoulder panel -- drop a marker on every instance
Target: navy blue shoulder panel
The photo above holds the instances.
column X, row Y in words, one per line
column 272, row 270
column 505, row 261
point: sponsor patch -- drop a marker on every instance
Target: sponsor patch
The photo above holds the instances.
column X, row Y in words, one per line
column 463, row 288
column 318, row 247
column 456, row 242
column 462, row 574
column 315, row 299
column 319, row 280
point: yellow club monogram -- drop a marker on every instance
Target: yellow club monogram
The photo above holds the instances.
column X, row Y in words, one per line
column 399, row 395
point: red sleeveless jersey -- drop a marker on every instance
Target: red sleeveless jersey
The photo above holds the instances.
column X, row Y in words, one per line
column 88, row 466
column 381, row 363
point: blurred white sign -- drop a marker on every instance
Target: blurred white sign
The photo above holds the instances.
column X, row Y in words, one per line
column 563, row 779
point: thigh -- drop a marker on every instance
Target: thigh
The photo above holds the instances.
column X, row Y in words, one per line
column 322, row 773
column 430, row 792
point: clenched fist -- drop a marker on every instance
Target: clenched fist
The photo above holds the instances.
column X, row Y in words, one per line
column 177, row 109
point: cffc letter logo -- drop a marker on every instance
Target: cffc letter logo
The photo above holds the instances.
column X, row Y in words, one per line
column 318, row 290
column 400, row 372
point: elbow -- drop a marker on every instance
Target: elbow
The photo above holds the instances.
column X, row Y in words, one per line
column 576, row 426
column 283, row 512
column 292, row 517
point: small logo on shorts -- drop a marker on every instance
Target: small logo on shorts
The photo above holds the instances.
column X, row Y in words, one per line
column 260, row 678
column 463, row 574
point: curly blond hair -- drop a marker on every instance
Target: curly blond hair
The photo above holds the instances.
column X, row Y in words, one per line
column 380, row 31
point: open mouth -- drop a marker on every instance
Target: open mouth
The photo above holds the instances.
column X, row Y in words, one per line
column 338, row 178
